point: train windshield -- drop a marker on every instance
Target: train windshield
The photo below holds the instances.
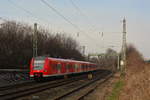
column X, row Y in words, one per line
column 38, row 64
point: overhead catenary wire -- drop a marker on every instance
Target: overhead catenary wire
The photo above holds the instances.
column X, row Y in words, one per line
column 83, row 14
column 66, row 19
column 27, row 11
column 77, row 8
column 87, row 17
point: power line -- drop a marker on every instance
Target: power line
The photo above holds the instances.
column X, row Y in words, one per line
column 66, row 19
column 26, row 11
column 81, row 12
column 84, row 15
column 77, row 8
column 31, row 14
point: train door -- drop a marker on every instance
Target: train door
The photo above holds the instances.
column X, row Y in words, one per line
column 63, row 67
column 48, row 67
column 82, row 67
column 76, row 67
column 71, row 67
column 54, row 67
column 59, row 66
column 67, row 67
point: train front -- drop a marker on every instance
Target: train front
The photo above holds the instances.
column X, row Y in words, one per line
column 37, row 67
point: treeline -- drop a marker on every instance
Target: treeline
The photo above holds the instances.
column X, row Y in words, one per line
column 135, row 60
column 16, row 45
column 107, row 60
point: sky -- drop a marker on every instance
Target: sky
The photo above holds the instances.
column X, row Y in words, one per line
column 88, row 18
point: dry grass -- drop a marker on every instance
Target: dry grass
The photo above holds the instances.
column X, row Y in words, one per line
column 137, row 79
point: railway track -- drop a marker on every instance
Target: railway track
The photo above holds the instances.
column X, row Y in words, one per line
column 91, row 88
column 11, row 93
column 15, row 85
column 80, row 92
column 19, row 92
column 72, row 91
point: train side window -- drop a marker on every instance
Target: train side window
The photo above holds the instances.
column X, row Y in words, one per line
column 58, row 66
column 84, row 66
column 73, row 66
column 69, row 66
column 76, row 66
column 79, row 65
column 87, row 66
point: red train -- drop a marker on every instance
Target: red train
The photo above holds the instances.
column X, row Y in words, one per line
column 41, row 67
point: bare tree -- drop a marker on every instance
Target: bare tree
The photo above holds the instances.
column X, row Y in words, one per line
column 16, row 45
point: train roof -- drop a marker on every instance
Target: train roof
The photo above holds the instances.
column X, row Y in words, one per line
column 60, row 59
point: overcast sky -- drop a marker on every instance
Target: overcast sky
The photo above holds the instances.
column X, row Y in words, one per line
column 90, row 18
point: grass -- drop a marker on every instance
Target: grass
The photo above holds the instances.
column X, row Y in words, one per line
column 116, row 90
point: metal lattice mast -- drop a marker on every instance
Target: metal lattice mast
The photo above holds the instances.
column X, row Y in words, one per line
column 35, row 41
column 124, row 47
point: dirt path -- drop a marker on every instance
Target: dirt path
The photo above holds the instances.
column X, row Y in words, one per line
column 104, row 90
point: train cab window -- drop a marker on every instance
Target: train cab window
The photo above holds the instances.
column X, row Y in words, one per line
column 38, row 64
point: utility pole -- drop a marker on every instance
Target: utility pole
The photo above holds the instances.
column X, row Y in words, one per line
column 83, row 50
column 123, row 61
column 35, row 41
